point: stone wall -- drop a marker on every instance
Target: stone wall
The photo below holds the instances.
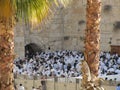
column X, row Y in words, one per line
column 66, row 29
column 19, row 40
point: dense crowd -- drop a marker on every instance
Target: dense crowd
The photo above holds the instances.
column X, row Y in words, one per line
column 63, row 64
column 109, row 64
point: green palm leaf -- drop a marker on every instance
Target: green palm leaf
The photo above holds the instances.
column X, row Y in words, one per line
column 34, row 11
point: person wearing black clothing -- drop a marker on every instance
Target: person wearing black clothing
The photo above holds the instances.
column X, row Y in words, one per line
column 43, row 83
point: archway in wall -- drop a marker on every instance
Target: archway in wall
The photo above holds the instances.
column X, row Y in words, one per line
column 31, row 49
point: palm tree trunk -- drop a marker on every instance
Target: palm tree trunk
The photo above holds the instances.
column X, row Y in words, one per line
column 92, row 33
column 6, row 54
column 92, row 41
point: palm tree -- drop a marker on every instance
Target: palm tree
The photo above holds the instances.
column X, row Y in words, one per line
column 92, row 48
column 34, row 11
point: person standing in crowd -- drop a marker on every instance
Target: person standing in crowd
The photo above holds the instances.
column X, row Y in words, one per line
column 21, row 87
column 43, row 83
column 33, row 88
column 118, row 87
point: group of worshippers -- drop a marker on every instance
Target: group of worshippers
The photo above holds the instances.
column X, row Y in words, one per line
column 64, row 63
column 109, row 64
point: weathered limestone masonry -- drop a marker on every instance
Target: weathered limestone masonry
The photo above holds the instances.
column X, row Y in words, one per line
column 19, row 40
column 66, row 29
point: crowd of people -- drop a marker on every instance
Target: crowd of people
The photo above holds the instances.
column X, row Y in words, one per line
column 109, row 64
column 64, row 63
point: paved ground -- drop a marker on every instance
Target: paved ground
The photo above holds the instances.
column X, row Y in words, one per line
column 57, row 86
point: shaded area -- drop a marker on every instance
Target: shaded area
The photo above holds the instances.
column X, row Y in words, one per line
column 115, row 49
column 31, row 49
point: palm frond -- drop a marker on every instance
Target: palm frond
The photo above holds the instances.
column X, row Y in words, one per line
column 37, row 11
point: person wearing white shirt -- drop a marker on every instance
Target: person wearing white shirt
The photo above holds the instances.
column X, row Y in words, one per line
column 118, row 61
column 117, row 71
column 21, row 87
